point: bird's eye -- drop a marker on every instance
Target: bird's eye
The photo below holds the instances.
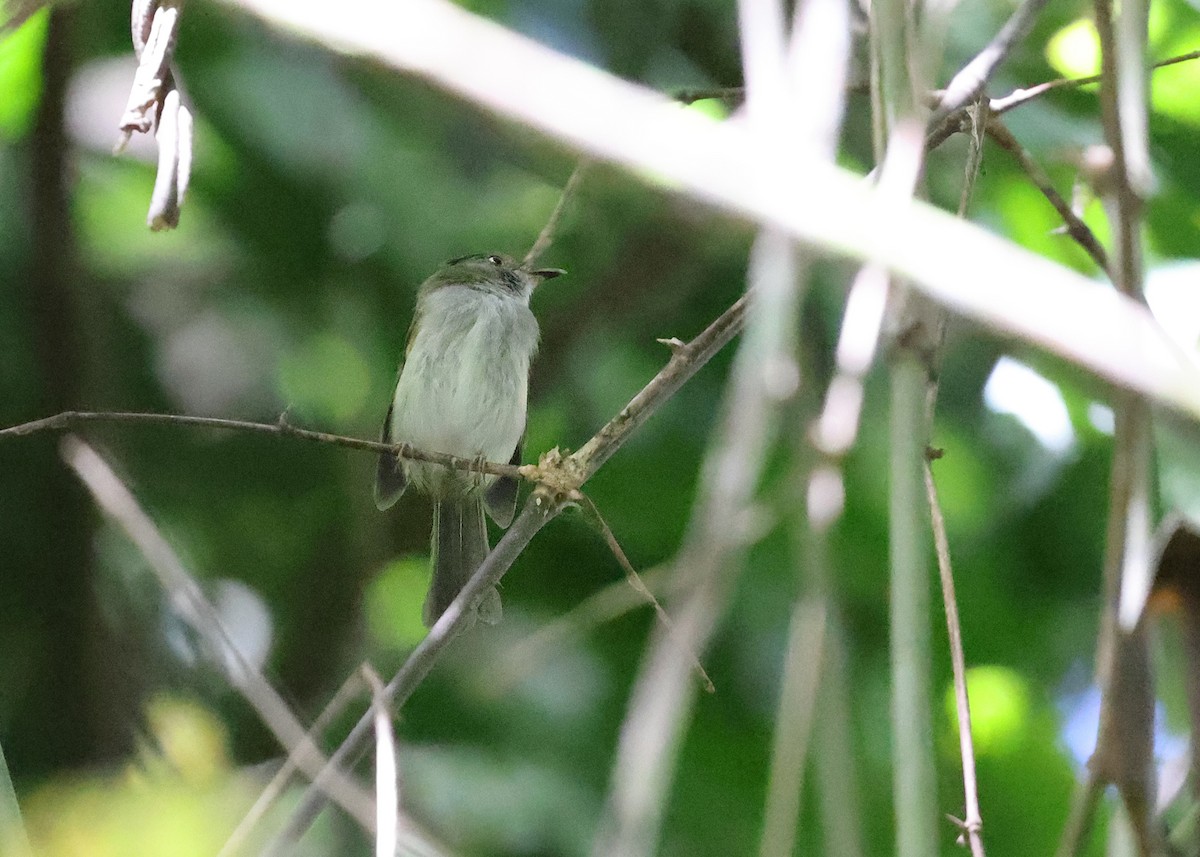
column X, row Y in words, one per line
column 496, row 260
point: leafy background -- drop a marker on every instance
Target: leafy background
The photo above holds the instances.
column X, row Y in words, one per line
column 324, row 191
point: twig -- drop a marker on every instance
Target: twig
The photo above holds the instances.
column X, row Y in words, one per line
column 1079, row 822
column 192, row 607
column 803, row 665
column 540, row 509
column 1076, row 228
column 663, row 695
column 527, row 656
column 973, row 823
column 546, row 236
column 72, row 420
column 685, row 361
column 972, row 78
column 634, row 579
column 233, row 845
column 1023, row 96
column 387, row 777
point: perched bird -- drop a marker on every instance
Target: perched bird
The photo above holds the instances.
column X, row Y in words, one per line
column 462, row 390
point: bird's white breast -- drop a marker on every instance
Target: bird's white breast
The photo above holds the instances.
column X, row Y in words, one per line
column 464, row 384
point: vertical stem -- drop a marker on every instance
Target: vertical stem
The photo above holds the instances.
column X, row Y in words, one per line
column 913, row 770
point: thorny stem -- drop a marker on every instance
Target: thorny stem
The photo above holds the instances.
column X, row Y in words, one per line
column 973, row 823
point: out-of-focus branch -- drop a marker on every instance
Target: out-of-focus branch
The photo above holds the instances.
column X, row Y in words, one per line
column 971, row 79
column 1124, row 753
column 1020, row 97
column 190, row 605
column 540, row 509
column 1018, row 293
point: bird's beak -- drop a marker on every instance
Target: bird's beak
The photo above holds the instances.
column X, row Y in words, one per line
column 548, row 273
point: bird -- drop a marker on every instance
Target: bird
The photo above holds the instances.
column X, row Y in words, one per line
column 462, row 389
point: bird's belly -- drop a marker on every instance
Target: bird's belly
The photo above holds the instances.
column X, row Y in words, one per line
column 452, row 398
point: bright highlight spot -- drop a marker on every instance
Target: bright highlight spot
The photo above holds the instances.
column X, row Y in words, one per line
column 1015, row 389
column 1074, row 51
column 1175, row 301
column 1101, row 417
column 999, row 708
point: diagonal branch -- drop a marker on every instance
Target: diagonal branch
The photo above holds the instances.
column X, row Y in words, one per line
column 1018, row 293
column 1076, row 228
column 972, row 78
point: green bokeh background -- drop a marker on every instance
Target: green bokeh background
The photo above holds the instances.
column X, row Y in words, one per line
column 324, row 191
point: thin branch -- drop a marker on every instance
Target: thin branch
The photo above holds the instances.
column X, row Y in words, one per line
column 706, row 565
column 546, row 236
column 1020, row 97
column 271, row 792
column 685, row 361
column 1079, row 821
column 539, row 510
column 1002, row 104
column 387, row 777
column 190, row 604
column 803, row 665
column 1076, row 228
column 973, row 77
column 973, row 823
column 73, row 420
column 634, row 579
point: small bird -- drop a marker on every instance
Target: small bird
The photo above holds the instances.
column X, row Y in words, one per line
column 462, row 390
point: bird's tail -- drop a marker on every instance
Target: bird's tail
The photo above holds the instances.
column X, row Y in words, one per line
column 460, row 546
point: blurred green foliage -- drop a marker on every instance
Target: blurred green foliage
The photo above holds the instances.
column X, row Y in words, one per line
column 324, row 191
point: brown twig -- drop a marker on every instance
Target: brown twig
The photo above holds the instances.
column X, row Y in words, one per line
column 190, row 604
column 1020, row 97
column 1076, row 228
column 633, row 578
column 972, row 78
column 973, row 823
column 72, row 420
column 546, row 236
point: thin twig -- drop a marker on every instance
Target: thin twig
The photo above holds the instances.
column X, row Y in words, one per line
column 803, row 665
column 546, row 236
column 1020, row 97
column 73, row 420
column 972, row 78
column 707, row 563
column 685, row 361
column 973, row 823
column 387, row 777
column 271, row 792
column 635, row 580
column 190, row 604
column 1079, row 821
column 1076, row 228
column 540, row 509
